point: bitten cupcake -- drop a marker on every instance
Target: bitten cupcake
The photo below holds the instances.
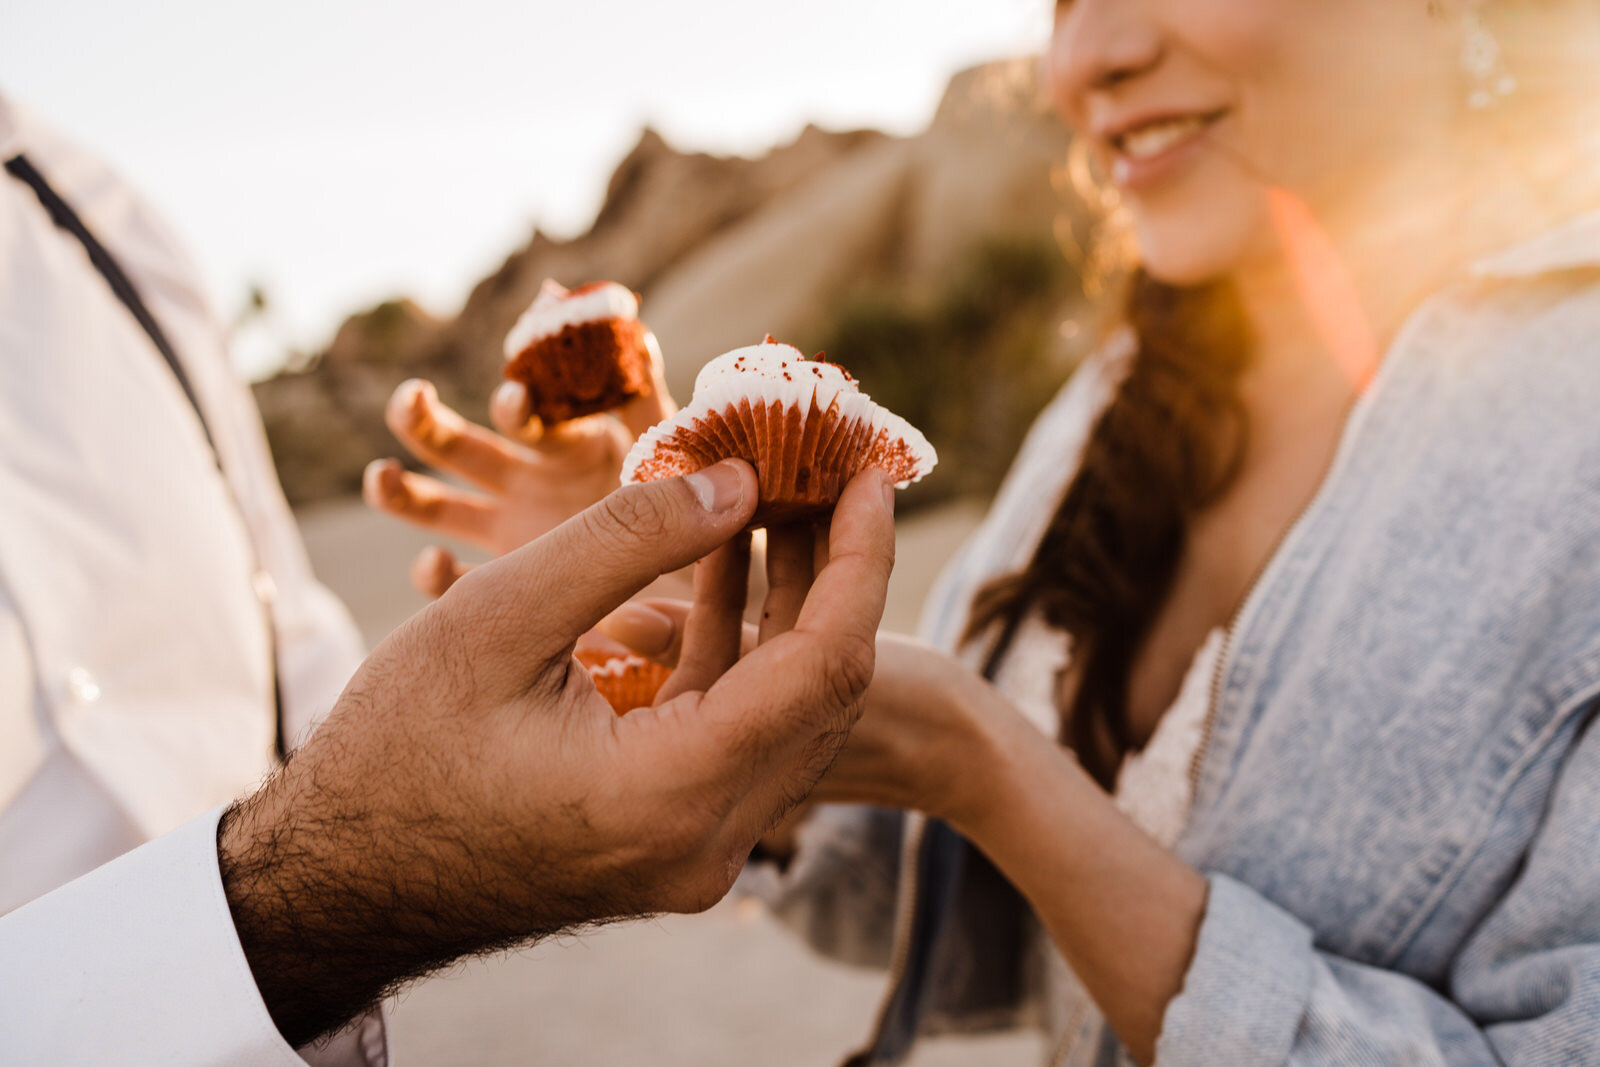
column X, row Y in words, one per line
column 804, row 425
column 579, row 352
column 627, row 682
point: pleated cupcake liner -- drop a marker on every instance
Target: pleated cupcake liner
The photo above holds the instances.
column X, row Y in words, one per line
column 806, row 440
column 627, row 682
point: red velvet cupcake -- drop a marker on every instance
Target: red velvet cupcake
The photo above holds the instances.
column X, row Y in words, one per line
column 804, row 425
column 579, row 352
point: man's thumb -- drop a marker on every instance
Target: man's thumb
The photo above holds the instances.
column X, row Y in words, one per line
column 543, row 596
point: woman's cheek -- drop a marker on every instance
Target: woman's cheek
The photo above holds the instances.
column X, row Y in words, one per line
column 1239, row 36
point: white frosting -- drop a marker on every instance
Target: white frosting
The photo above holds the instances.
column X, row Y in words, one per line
column 556, row 308
column 777, row 363
column 617, row 667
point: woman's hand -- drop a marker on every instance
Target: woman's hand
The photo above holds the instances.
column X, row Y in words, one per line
column 532, row 477
column 932, row 738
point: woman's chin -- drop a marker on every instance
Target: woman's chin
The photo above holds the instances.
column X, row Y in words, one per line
column 1192, row 248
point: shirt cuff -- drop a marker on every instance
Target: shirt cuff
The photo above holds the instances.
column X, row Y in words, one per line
column 1246, row 988
column 139, row 958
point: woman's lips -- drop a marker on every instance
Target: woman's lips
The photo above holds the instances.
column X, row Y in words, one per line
column 1150, row 152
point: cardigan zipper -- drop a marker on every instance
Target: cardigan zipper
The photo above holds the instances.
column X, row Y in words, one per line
column 1230, row 635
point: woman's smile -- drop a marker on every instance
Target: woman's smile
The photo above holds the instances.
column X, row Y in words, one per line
column 1146, row 150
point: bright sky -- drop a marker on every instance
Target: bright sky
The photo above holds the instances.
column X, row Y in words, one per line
column 337, row 152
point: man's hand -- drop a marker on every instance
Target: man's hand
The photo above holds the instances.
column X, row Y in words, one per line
column 471, row 790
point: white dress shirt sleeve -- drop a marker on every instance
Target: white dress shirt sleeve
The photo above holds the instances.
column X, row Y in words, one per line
column 137, row 962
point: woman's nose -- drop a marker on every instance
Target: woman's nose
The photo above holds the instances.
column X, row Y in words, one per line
column 1097, row 45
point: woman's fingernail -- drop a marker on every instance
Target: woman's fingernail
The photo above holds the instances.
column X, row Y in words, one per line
column 373, row 479
column 719, row 488
column 508, row 407
column 410, row 398
column 508, row 395
column 888, row 493
column 641, row 628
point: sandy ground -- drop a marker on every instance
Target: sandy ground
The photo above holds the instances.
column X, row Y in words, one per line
column 725, row 989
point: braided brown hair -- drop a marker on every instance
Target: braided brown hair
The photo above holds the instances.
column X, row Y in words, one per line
column 1169, row 444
